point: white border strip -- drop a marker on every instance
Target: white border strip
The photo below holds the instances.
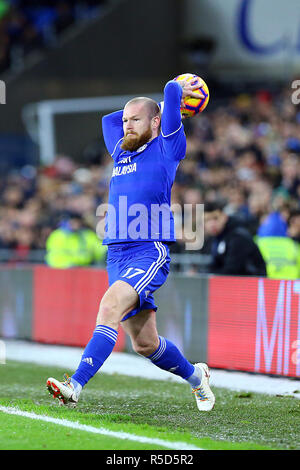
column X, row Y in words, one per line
column 102, row 431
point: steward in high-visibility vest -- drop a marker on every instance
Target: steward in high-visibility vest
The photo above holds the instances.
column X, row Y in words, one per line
column 282, row 256
column 73, row 244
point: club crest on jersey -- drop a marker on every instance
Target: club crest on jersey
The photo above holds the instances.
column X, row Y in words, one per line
column 142, row 148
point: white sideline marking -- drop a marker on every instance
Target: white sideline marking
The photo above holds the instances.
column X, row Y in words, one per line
column 103, row 431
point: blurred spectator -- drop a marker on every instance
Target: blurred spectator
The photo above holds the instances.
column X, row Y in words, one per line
column 290, row 170
column 233, row 249
column 275, row 223
column 28, row 25
column 294, row 225
column 282, row 257
column 64, row 16
column 74, row 244
column 23, row 246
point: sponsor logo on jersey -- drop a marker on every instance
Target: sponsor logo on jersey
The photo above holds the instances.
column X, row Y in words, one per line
column 125, row 160
column 123, row 170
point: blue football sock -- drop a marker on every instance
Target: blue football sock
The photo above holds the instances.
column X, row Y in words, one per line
column 195, row 379
column 96, row 352
column 168, row 357
column 77, row 385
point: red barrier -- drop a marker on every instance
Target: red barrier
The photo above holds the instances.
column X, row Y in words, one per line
column 254, row 325
column 65, row 305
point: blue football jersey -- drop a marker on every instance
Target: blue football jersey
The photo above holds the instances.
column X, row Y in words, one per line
column 139, row 204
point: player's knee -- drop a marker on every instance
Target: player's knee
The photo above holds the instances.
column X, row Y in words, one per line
column 108, row 311
column 145, row 348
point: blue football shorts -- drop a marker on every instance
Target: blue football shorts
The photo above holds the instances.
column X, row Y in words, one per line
column 143, row 265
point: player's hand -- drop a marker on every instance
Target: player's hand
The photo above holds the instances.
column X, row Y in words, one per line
column 188, row 88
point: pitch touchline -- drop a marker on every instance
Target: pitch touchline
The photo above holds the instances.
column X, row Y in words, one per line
column 103, row 431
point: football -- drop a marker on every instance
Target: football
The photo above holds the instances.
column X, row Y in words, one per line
column 193, row 106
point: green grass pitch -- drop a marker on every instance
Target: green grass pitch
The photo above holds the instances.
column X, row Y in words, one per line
column 144, row 408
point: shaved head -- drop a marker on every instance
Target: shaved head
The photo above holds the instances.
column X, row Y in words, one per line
column 151, row 105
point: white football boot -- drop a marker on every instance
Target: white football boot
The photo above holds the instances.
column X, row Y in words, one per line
column 204, row 396
column 64, row 391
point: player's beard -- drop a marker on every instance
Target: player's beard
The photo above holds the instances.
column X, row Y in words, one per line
column 132, row 142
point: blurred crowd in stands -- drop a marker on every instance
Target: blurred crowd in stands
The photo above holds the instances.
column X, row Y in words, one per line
column 28, row 25
column 244, row 154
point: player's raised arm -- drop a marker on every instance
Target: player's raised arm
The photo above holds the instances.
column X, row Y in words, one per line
column 112, row 129
column 174, row 141
column 171, row 115
column 174, row 94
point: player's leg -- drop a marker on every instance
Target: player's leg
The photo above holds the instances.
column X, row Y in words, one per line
column 141, row 328
column 164, row 354
column 141, row 325
column 118, row 300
